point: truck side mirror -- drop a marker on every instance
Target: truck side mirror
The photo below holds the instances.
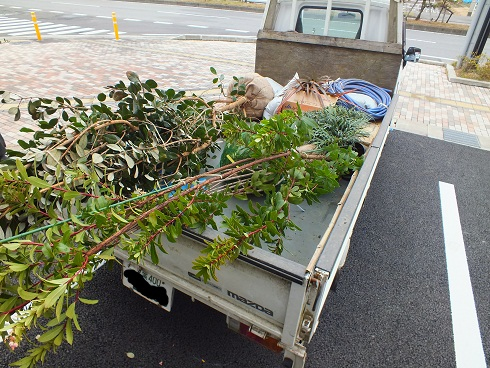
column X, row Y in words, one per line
column 413, row 54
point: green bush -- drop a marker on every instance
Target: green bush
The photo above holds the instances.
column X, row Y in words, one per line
column 338, row 125
column 477, row 67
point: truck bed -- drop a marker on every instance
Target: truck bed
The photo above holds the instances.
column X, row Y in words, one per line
column 278, row 297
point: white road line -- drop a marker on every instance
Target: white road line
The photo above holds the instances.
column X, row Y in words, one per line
column 34, row 9
column 92, row 6
column 62, row 29
column 24, row 26
column 236, row 30
column 51, row 25
column 9, row 31
column 192, row 15
column 95, row 32
column 163, row 22
column 413, row 39
column 453, row 35
column 56, row 12
column 14, row 22
column 14, row 27
column 437, row 57
column 47, row 29
column 103, row 16
column 70, row 31
column 467, row 338
column 132, row 20
column 80, row 14
column 194, row 26
column 15, row 7
column 9, row 20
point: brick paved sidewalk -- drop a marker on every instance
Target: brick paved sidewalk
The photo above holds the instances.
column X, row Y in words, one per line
column 428, row 103
column 82, row 68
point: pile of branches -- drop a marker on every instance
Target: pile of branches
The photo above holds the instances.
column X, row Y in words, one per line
column 132, row 171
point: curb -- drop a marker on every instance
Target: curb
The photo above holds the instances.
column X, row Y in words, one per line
column 197, row 37
column 432, row 62
column 178, row 37
column 452, row 77
column 419, row 27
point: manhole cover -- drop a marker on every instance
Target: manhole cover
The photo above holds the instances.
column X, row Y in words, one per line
column 463, row 138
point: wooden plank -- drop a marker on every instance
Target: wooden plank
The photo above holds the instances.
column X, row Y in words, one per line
column 384, row 47
column 393, row 22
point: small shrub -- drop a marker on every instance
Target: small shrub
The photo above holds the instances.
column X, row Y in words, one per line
column 338, row 125
column 477, row 67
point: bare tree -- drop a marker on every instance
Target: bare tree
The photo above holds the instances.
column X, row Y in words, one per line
column 445, row 7
column 422, row 8
column 413, row 6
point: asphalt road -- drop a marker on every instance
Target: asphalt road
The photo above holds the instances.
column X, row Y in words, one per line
column 93, row 17
column 438, row 46
column 392, row 305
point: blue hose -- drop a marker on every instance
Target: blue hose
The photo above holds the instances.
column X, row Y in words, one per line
column 378, row 94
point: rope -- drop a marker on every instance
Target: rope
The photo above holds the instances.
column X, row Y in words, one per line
column 378, row 94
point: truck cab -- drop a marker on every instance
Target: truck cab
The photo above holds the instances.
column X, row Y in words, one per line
column 360, row 39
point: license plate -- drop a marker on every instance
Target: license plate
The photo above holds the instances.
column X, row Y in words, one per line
column 157, row 291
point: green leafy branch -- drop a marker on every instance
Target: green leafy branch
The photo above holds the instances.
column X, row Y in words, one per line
column 135, row 175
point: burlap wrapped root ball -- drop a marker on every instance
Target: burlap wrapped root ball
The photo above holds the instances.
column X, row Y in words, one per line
column 258, row 92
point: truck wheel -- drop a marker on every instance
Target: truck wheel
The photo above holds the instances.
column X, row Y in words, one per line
column 2, row 148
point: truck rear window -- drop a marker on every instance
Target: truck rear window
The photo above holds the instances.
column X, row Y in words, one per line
column 344, row 23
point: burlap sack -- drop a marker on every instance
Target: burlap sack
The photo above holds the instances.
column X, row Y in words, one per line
column 258, row 92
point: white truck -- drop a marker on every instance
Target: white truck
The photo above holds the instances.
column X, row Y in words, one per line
column 277, row 300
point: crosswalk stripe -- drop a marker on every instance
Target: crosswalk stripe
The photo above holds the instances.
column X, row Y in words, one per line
column 22, row 27
column 18, row 28
column 45, row 30
column 14, row 23
column 10, row 21
column 95, row 32
column 71, row 31
column 49, row 31
column 31, row 29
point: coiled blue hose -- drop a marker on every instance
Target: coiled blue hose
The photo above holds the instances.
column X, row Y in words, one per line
column 378, row 94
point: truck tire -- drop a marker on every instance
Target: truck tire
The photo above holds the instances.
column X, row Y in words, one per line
column 2, row 148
